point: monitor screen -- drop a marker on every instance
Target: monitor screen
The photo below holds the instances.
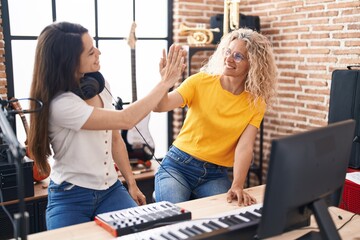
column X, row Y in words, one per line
column 305, row 170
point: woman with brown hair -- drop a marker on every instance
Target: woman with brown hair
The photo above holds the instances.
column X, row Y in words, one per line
column 79, row 126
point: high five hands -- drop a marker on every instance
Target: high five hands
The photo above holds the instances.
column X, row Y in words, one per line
column 172, row 66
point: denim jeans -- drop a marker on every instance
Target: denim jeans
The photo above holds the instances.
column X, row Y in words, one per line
column 69, row 204
column 182, row 177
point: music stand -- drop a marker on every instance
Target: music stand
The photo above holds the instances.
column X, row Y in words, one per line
column 17, row 153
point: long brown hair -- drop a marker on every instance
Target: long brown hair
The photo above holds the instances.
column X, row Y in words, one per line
column 57, row 58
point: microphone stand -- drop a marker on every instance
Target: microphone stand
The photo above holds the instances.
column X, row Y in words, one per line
column 17, row 153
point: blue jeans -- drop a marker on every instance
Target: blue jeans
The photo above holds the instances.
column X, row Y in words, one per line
column 69, row 204
column 182, row 177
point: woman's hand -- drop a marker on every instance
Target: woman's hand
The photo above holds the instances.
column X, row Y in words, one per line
column 137, row 195
column 172, row 66
column 242, row 197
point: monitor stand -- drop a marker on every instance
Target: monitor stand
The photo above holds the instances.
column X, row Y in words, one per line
column 326, row 225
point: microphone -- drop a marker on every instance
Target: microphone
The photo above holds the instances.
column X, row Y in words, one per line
column 16, row 106
column 4, row 103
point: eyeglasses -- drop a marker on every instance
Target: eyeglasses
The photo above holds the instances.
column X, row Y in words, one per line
column 238, row 57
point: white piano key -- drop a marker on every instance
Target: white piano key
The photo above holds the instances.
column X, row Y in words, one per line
column 242, row 218
column 155, row 234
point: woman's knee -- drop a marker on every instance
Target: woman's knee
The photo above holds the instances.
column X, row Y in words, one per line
column 60, row 217
column 172, row 190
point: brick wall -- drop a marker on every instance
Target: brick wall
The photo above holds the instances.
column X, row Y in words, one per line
column 311, row 38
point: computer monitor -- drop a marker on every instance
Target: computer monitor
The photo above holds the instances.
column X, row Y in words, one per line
column 305, row 170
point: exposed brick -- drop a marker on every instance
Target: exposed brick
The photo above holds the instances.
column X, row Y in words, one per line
column 326, row 43
column 310, row 98
column 347, row 35
column 312, row 67
column 324, row 59
column 355, row 43
column 296, row 30
column 314, row 36
column 328, row 28
column 315, row 51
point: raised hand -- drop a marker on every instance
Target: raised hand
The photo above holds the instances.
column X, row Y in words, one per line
column 172, row 66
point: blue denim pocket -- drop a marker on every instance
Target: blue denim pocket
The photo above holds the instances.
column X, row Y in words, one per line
column 179, row 156
column 64, row 186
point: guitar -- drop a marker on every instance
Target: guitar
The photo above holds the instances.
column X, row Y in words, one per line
column 14, row 103
column 138, row 149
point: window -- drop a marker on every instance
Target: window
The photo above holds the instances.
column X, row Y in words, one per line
column 109, row 22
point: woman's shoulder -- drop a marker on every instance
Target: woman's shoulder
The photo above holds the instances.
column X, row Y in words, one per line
column 64, row 99
column 65, row 96
column 203, row 76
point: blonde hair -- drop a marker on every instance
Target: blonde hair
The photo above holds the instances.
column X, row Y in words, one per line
column 262, row 77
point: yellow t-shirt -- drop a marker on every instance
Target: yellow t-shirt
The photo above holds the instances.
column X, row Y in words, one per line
column 215, row 119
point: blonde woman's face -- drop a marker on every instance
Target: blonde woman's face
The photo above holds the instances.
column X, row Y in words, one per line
column 89, row 58
column 236, row 59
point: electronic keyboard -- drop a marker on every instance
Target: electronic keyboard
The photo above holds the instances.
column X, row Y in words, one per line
column 237, row 224
column 140, row 218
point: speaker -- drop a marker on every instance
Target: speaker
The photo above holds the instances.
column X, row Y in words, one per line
column 217, row 21
column 90, row 85
column 345, row 104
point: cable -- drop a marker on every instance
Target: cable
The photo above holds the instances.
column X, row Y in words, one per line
column 38, row 109
column 347, row 221
column 159, row 162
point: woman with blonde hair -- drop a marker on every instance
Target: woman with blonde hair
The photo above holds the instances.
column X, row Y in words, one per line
column 226, row 103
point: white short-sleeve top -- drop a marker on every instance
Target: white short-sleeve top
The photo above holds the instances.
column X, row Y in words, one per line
column 81, row 157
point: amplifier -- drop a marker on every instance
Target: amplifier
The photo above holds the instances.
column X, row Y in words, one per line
column 8, row 180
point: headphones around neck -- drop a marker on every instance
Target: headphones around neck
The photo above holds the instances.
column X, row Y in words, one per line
column 90, row 85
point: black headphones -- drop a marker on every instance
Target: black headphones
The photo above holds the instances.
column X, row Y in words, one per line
column 91, row 84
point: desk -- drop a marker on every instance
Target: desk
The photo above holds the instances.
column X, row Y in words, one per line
column 200, row 208
column 36, row 205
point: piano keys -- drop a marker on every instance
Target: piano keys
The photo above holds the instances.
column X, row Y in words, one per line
column 236, row 224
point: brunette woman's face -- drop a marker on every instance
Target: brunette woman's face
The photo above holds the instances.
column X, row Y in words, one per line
column 89, row 58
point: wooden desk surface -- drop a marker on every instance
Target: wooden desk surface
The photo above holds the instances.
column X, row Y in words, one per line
column 203, row 208
column 41, row 191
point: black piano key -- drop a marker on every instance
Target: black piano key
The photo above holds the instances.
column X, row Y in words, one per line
column 259, row 210
column 163, row 236
column 174, row 235
column 249, row 216
column 226, row 221
column 192, row 231
column 232, row 220
column 235, row 219
column 215, row 224
column 209, row 226
column 199, row 229
column 187, row 233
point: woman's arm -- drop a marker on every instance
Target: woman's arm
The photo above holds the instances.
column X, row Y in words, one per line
column 170, row 70
column 169, row 102
column 121, row 158
column 243, row 157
